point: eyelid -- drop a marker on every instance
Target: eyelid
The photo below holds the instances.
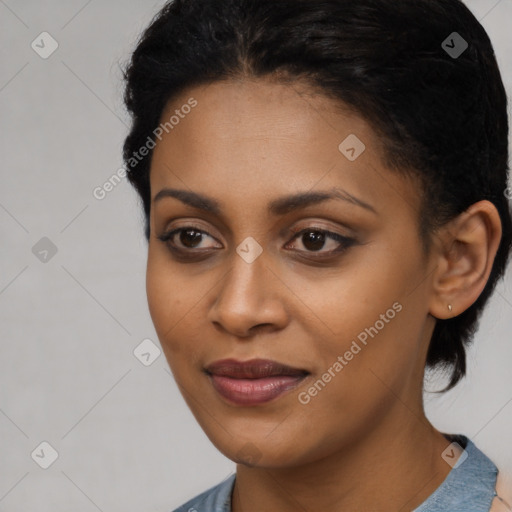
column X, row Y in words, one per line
column 284, row 233
column 170, row 233
column 316, row 225
column 344, row 242
column 184, row 224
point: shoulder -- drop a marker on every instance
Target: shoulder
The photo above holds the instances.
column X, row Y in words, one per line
column 502, row 502
column 215, row 499
column 470, row 485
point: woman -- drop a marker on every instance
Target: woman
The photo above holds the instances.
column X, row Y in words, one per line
column 323, row 183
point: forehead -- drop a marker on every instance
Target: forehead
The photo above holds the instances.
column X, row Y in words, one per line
column 251, row 140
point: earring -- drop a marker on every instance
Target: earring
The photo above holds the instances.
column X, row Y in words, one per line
column 450, row 307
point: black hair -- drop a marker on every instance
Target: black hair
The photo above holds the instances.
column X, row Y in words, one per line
column 439, row 107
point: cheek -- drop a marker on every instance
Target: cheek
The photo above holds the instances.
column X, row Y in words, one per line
column 166, row 300
column 174, row 302
column 367, row 313
column 159, row 292
column 344, row 303
column 169, row 292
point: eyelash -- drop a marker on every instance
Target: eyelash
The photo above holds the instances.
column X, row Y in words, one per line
column 345, row 242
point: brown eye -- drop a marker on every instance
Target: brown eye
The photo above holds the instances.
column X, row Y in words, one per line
column 189, row 238
column 315, row 239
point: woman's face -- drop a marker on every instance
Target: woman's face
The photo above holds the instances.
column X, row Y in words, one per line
column 348, row 311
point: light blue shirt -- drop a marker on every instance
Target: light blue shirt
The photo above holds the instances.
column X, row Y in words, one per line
column 469, row 487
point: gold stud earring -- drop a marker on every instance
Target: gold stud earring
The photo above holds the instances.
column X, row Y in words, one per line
column 450, row 307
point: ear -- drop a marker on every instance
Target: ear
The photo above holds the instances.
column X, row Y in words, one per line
column 465, row 252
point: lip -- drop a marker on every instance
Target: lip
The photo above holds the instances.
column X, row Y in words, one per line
column 253, row 382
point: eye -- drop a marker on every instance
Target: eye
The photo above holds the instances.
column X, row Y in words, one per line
column 187, row 240
column 314, row 239
column 190, row 237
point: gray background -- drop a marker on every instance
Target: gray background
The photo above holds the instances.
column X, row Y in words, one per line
column 69, row 326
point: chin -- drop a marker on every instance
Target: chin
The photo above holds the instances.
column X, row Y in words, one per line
column 260, row 450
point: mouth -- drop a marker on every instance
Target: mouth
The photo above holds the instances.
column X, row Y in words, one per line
column 253, row 382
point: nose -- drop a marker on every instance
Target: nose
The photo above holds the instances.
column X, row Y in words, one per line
column 250, row 299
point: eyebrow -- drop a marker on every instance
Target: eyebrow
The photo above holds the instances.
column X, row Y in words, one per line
column 280, row 206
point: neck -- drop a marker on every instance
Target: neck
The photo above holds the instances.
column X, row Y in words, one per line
column 394, row 467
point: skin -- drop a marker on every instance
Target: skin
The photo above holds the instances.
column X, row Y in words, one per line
column 363, row 442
